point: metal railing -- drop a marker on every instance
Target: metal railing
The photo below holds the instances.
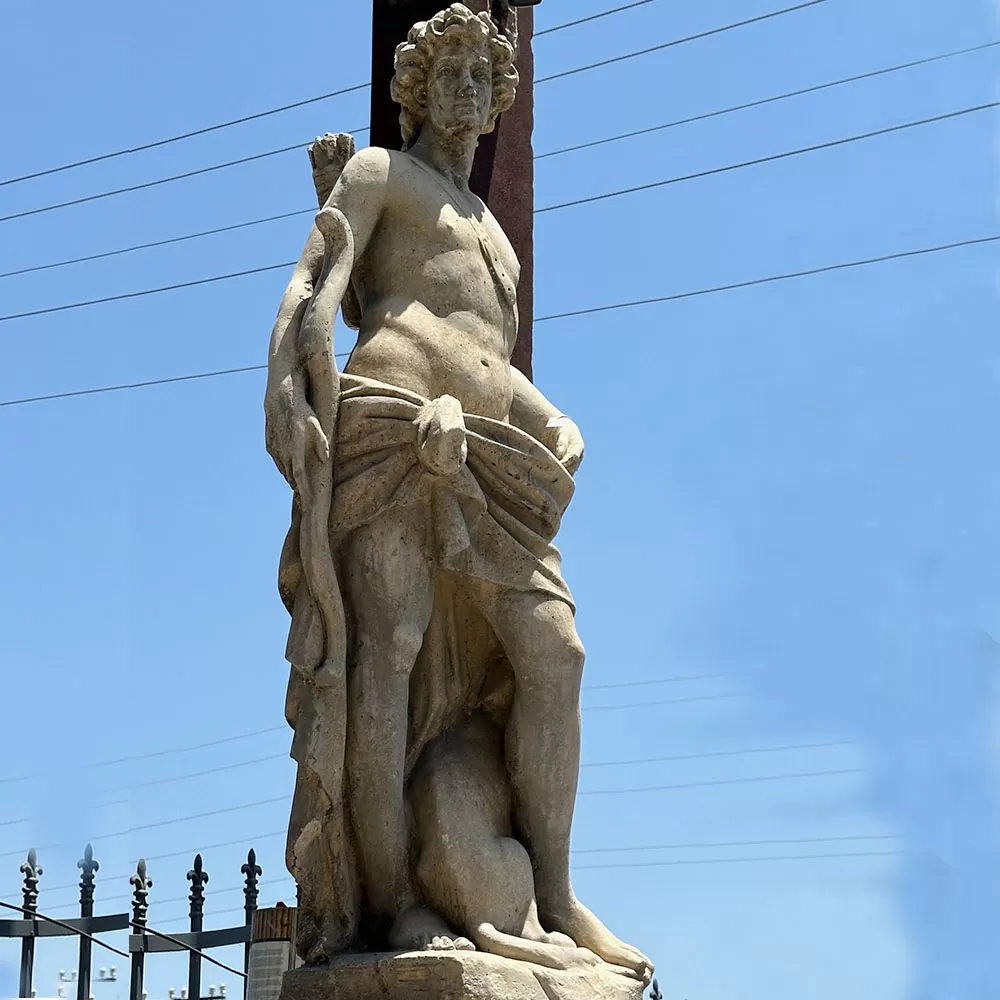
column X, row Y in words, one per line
column 31, row 924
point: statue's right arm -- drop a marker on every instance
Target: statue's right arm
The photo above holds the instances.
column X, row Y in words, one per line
column 291, row 425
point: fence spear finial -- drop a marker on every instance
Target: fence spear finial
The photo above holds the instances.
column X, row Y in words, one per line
column 140, row 892
column 32, row 872
column 198, row 878
column 88, row 869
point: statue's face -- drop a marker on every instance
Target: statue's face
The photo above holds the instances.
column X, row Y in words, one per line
column 460, row 87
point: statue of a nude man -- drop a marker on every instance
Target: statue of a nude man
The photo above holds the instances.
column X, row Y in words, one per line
column 431, row 412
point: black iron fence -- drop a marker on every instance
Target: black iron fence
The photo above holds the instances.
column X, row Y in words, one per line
column 33, row 923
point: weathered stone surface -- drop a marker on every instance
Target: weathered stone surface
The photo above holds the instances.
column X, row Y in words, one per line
column 450, row 976
column 436, row 665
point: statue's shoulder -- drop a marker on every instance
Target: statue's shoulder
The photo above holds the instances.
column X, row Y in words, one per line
column 369, row 165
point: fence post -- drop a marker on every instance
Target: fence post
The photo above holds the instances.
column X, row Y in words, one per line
column 253, row 871
column 198, row 877
column 140, row 907
column 32, row 872
column 88, row 868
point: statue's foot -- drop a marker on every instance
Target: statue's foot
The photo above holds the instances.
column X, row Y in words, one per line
column 420, row 929
column 588, row 932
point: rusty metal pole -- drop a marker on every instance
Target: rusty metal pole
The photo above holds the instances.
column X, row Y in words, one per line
column 503, row 172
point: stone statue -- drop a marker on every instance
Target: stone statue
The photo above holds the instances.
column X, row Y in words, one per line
column 436, row 667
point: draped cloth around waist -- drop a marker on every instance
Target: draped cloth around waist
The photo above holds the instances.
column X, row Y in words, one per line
column 493, row 520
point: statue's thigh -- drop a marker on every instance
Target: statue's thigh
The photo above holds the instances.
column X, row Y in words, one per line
column 387, row 575
column 539, row 636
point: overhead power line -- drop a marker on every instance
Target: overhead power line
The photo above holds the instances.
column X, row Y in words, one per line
column 659, row 704
column 699, row 845
column 737, row 861
column 238, row 737
column 159, row 823
column 772, row 158
column 188, row 749
column 673, row 758
column 148, row 291
column 181, row 918
column 36, row 915
column 184, row 135
column 25, row 213
column 677, row 41
column 161, row 243
column 692, row 845
column 787, row 276
column 706, row 116
column 590, row 310
column 593, row 17
column 800, row 775
column 724, row 781
column 653, row 683
column 720, row 753
column 540, row 156
column 590, row 199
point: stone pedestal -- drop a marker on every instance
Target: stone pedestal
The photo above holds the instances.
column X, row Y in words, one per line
column 451, row 976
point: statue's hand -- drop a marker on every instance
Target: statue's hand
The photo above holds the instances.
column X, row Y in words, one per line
column 293, row 431
column 441, row 444
column 563, row 438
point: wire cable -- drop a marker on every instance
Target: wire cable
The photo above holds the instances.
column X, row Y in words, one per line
column 724, row 781
column 772, row 158
column 189, row 749
column 184, row 135
column 36, row 915
column 349, row 90
column 161, row 243
column 674, row 758
column 677, row 41
column 148, row 291
column 25, row 213
column 160, row 823
column 690, row 845
column 540, row 156
column 658, row 704
column 663, row 680
column 720, row 753
column 145, row 928
column 590, row 199
column 734, row 861
column 590, row 310
column 815, row 88
column 599, row 791
column 698, row 845
column 787, row 276
column 592, row 17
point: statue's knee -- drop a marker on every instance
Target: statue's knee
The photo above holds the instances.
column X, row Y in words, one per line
column 405, row 645
column 395, row 652
column 555, row 669
column 571, row 663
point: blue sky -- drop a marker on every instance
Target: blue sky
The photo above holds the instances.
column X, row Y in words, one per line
column 789, row 493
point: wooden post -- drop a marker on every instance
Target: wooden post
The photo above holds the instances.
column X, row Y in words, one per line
column 272, row 951
column 503, row 173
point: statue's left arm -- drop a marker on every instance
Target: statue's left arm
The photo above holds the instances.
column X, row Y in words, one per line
column 535, row 415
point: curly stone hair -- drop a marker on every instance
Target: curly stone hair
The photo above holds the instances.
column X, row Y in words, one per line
column 415, row 56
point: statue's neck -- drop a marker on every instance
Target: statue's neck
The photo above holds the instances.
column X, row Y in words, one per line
column 449, row 154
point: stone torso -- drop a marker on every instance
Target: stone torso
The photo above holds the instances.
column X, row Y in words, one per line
column 433, row 317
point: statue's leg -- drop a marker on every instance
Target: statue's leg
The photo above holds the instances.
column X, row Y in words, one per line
column 539, row 635
column 389, row 584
